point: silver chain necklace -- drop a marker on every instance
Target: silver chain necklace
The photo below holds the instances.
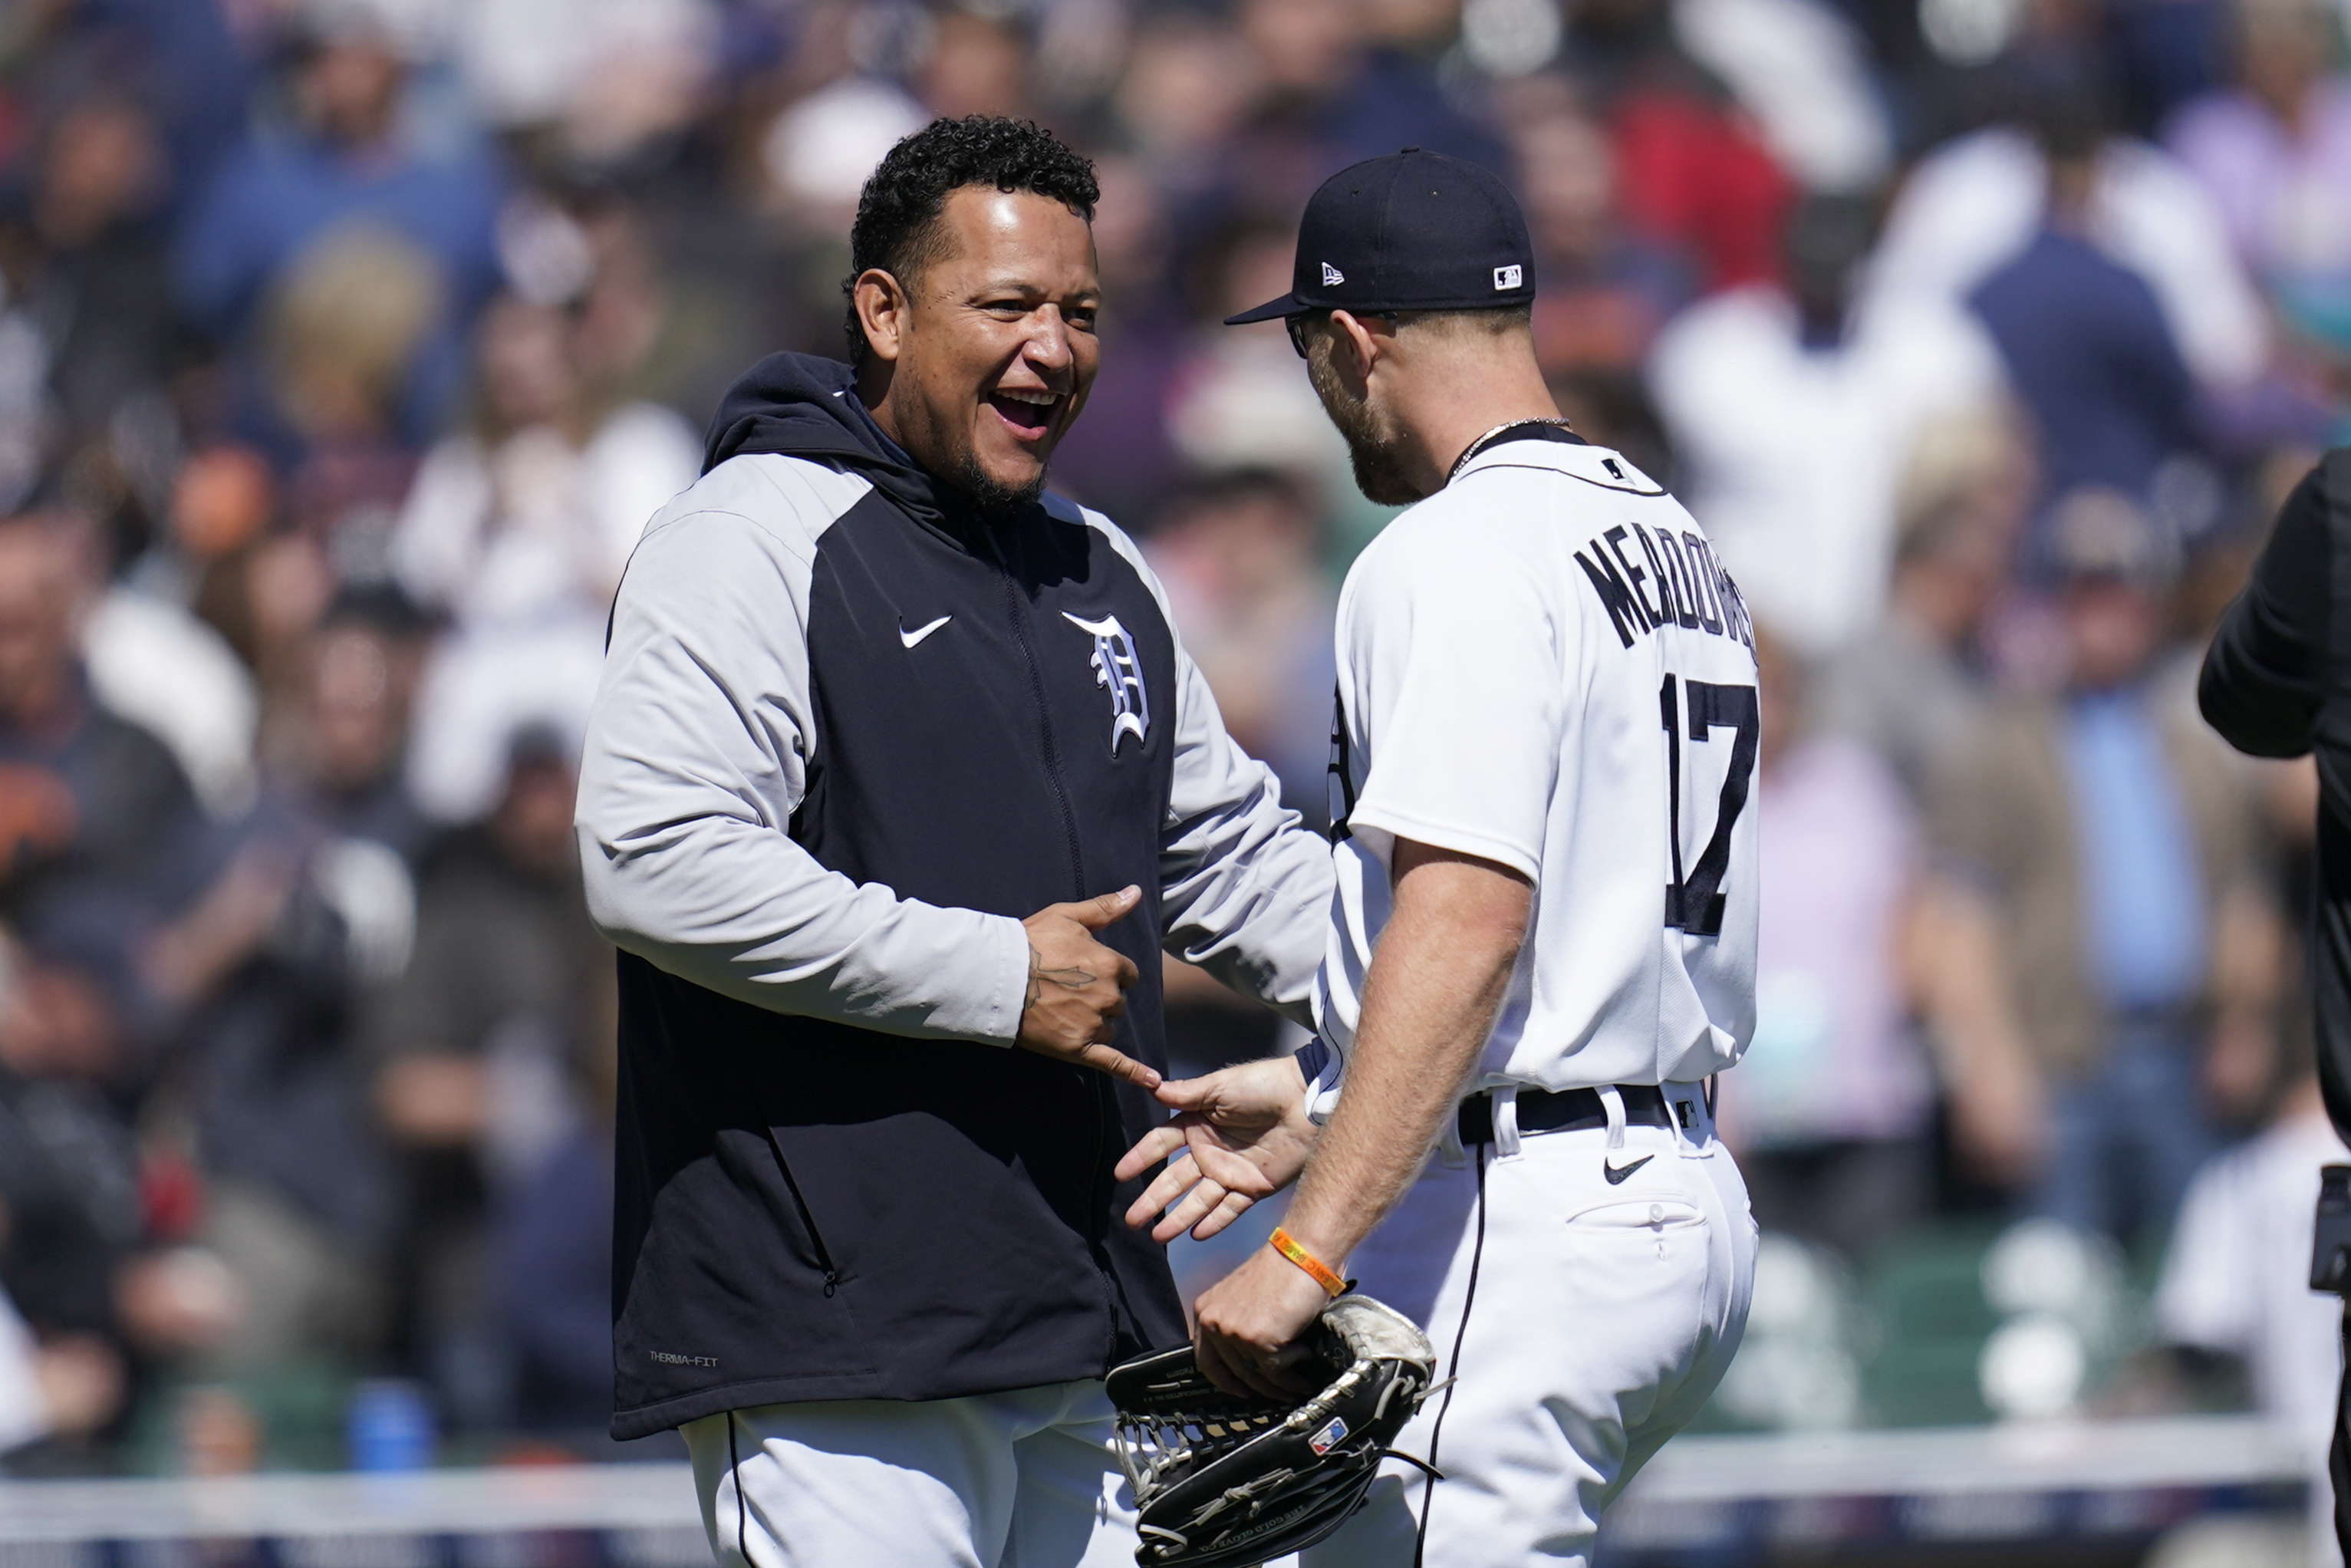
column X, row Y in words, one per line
column 1486, row 440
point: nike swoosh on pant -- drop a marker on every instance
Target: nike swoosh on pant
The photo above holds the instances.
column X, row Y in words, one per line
column 1616, row 1173
column 919, row 633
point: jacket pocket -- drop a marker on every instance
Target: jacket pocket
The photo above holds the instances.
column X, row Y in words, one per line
column 732, row 1285
column 821, row 1255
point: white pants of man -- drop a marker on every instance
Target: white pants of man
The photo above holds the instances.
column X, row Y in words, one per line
column 1585, row 1320
column 1023, row 1479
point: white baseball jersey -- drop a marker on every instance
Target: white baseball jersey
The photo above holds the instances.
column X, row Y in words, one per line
column 1542, row 664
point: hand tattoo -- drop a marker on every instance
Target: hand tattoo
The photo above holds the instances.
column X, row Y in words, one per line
column 1072, row 979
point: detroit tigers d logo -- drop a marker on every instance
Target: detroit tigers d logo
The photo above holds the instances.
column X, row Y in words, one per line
column 1118, row 668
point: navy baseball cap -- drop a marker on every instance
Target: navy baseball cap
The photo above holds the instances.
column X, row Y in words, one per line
column 1412, row 231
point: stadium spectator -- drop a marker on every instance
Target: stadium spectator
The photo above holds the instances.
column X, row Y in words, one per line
column 1695, row 176
column 1602, row 294
column 183, row 60
column 1757, row 384
column 599, row 78
column 2274, row 152
column 485, row 1040
column 1235, row 399
column 1236, row 553
column 298, row 1199
column 95, row 814
column 1973, row 203
column 2097, row 989
column 88, row 263
column 530, row 515
column 1830, row 1120
column 344, row 329
column 1907, row 687
column 2237, row 1278
column 1335, row 94
column 517, row 530
column 343, row 169
column 551, row 1237
column 1796, row 66
column 2087, row 349
column 976, row 65
column 68, row 1167
column 346, row 774
column 152, row 662
column 66, row 1387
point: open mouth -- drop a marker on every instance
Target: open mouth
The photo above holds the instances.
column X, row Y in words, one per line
column 1029, row 413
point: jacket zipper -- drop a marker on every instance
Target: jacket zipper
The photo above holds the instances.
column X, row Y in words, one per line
column 1016, row 613
column 808, row 1219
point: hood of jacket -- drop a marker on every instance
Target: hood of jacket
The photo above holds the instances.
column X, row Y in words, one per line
column 803, row 406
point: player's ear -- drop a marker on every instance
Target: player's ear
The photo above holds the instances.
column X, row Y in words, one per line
column 882, row 305
column 1354, row 350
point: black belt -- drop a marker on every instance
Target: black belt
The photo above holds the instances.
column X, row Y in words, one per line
column 1565, row 1110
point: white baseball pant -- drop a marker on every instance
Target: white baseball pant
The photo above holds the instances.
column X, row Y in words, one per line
column 1023, row 1479
column 1584, row 1320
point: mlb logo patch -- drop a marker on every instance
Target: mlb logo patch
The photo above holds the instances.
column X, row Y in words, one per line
column 1507, row 277
column 1325, row 1440
column 1331, row 275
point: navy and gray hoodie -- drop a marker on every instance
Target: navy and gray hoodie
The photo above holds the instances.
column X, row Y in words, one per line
column 848, row 735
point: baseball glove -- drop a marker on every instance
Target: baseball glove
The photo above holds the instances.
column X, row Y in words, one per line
column 1222, row 1481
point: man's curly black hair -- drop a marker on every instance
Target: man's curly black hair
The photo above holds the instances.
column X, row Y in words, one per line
column 898, row 226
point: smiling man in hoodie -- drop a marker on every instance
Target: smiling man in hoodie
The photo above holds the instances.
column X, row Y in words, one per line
column 897, row 782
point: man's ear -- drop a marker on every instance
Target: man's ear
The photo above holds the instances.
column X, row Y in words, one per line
column 1355, row 348
column 881, row 307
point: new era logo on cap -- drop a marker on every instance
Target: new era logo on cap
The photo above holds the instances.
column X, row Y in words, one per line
column 1331, row 275
column 1509, row 276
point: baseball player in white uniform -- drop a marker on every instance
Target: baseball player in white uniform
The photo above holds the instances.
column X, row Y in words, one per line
column 1543, row 943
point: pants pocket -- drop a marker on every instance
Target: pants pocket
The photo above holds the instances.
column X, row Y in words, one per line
column 1657, row 1215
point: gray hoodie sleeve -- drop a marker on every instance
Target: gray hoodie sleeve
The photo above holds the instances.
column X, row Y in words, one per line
column 696, row 754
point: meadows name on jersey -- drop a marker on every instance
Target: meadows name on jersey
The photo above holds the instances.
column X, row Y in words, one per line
column 1695, row 592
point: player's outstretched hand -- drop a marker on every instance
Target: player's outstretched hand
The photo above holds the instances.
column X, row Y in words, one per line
column 1077, row 987
column 1246, row 1135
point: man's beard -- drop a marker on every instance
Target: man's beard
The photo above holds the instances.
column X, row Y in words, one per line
column 1374, row 454
column 992, row 498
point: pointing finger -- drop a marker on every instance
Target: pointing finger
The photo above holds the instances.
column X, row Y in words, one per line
column 1103, row 1059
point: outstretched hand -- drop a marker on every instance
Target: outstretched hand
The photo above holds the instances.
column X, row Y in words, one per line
column 1241, row 1134
column 1077, row 987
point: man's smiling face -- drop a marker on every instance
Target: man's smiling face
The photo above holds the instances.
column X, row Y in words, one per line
column 994, row 350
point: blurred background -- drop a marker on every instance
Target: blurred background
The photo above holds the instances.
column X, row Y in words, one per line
column 346, row 346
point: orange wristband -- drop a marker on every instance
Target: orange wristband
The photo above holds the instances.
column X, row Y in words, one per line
column 1320, row 1272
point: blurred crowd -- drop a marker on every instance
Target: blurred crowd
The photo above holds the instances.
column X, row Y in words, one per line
column 346, row 346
